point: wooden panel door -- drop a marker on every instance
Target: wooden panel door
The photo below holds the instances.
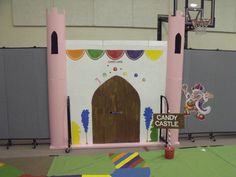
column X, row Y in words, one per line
column 116, row 112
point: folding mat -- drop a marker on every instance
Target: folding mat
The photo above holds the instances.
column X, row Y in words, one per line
column 193, row 162
column 9, row 171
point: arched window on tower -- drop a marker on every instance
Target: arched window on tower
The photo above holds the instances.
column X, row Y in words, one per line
column 54, row 43
column 178, row 40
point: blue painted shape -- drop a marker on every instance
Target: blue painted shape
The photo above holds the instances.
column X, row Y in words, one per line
column 85, row 119
column 123, row 158
column 148, row 116
column 132, row 172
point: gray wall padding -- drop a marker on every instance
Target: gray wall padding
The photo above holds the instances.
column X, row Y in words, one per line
column 3, row 101
column 25, row 76
column 216, row 71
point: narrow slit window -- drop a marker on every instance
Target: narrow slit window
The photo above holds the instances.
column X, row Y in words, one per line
column 54, row 43
column 178, row 40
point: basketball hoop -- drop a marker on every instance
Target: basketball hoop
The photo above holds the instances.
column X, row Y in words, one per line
column 200, row 25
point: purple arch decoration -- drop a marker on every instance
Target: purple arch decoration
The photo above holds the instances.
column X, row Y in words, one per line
column 134, row 54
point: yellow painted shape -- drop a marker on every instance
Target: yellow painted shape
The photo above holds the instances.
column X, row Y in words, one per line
column 75, row 133
column 96, row 175
column 126, row 160
column 1, row 164
column 153, row 54
column 75, row 54
column 125, row 73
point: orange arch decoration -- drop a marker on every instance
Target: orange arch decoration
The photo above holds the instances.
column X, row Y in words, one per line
column 75, row 54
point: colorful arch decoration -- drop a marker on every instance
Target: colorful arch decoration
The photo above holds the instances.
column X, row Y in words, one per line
column 95, row 54
column 134, row 54
column 153, row 54
column 75, row 54
column 115, row 54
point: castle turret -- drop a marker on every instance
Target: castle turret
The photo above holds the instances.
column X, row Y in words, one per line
column 57, row 95
column 176, row 26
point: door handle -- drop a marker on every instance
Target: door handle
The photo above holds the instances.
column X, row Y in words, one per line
column 116, row 112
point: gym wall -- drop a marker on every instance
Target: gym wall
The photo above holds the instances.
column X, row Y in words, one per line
column 15, row 33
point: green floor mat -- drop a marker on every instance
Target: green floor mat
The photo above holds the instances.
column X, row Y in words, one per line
column 9, row 171
column 196, row 162
column 81, row 164
column 226, row 153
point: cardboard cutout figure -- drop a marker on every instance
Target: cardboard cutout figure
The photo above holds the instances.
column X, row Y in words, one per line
column 196, row 99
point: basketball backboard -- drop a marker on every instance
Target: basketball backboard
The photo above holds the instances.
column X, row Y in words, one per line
column 197, row 10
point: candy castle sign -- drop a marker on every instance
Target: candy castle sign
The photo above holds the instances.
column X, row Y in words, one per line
column 171, row 120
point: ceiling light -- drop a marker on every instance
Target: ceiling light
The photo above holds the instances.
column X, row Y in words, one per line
column 193, row 5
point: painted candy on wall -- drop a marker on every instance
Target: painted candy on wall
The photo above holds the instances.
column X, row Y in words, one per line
column 114, row 87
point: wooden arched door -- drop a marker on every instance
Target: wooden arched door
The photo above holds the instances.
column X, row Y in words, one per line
column 116, row 112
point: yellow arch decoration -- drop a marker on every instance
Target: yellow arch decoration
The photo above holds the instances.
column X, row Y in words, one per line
column 153, row 55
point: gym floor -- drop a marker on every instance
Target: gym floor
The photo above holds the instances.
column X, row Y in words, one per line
column 38, row 161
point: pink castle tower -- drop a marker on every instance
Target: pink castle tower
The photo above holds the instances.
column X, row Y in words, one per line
column 56, row 54
column 176, row 27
